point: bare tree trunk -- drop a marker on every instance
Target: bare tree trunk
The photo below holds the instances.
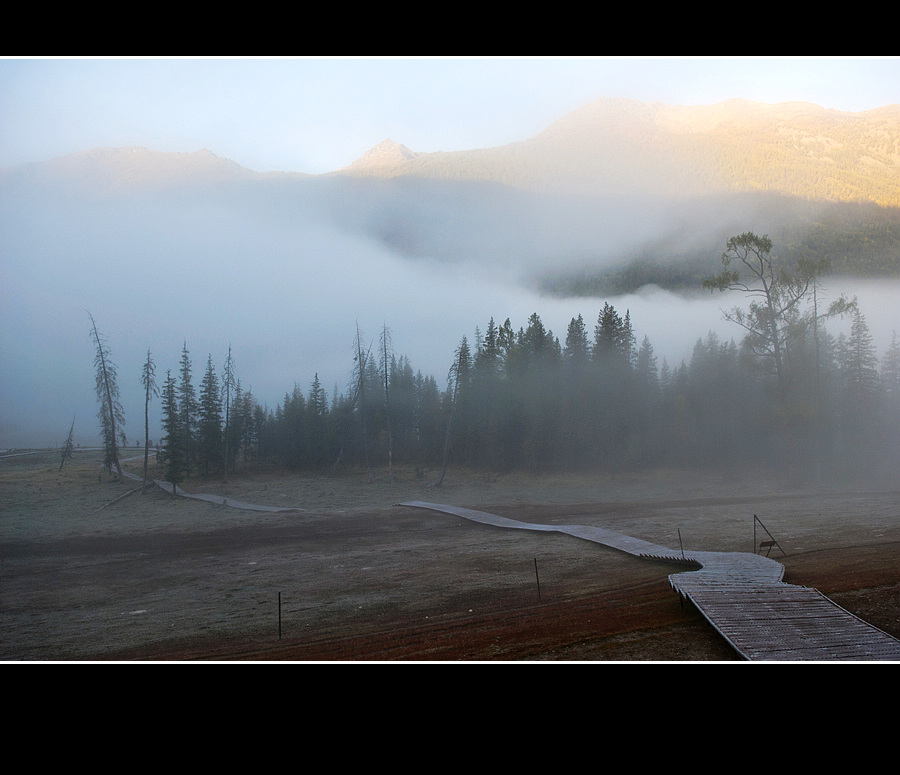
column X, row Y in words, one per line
column 386, row 370
column 455, row 373
column 67, row 449
column 361, row 398
column 228, row 382
column 105, row 379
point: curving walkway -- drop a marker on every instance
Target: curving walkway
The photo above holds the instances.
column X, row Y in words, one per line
column 741, row 595
column 217, row 499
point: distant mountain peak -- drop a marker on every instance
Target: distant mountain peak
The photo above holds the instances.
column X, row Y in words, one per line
column 386, row 154
column 117, row 170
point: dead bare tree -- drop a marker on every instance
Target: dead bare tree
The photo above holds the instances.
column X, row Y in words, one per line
column 453, row 380
column 362, row 360
column 111, row 414
column 386, row 353
column 68, row 447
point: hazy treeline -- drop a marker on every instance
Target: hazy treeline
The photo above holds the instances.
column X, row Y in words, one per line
column 522, row 399
column 599, row 400
column 824, row 407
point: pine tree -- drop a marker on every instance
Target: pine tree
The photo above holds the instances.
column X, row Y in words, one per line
column 645, row 366
column 236, row 424
column 860, row 360
column 606, row 333
column 488, row 358
column 614, row 341
column 173, row 434
column 229, row 386
column 187, row 404
column 316, row 423
column 628, row 346
column 209, row 435
column 577, row 352
column 253, row 420
column 148, row 380
column 890, row 386
column 890, row 373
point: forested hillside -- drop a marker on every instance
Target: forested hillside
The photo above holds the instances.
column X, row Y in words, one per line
column 856, row 239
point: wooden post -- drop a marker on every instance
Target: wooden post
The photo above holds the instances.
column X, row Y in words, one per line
column 538, row 579
column 279, row 616
column 767, row 545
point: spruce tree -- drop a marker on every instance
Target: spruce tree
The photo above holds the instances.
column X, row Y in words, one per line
column 236, row 421
column 861, row 362
column 613, row 337
column 148, row 380
column 488, row 357
column 577, row 349
column 229, row 388
column 173, row 434
column 890, row 373
column 209, row 435
column 316, row 423
column 187, row 405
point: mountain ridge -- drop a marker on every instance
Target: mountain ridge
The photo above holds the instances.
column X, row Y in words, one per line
column 135, row 168
column 608, row 146
column 614, row 195
column 737, row 146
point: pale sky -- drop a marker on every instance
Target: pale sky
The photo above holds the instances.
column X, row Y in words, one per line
column 318, row 114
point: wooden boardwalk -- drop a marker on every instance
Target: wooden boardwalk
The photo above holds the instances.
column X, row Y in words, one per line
column 741, row 595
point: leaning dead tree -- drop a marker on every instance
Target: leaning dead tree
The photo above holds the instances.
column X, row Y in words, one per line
column 111, row 414
column 69, row 446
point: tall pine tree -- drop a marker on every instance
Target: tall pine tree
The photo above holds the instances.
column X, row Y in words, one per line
column 173, row 434
column 187, row 405
column 209, row 430
column 230, row 389
column 148, row 380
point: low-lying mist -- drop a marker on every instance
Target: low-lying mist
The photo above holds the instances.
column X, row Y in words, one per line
column 285, row 282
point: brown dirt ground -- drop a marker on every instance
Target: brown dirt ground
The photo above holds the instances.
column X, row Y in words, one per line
column 350, row 576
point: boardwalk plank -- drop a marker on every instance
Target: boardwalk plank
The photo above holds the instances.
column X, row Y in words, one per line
column 741, row 595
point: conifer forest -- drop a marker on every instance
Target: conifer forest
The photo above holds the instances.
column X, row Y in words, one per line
column 784, row 394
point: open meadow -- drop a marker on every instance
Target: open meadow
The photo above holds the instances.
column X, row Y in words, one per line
column 89, row 575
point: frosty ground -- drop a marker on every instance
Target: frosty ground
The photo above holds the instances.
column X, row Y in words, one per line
column 348, row 575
